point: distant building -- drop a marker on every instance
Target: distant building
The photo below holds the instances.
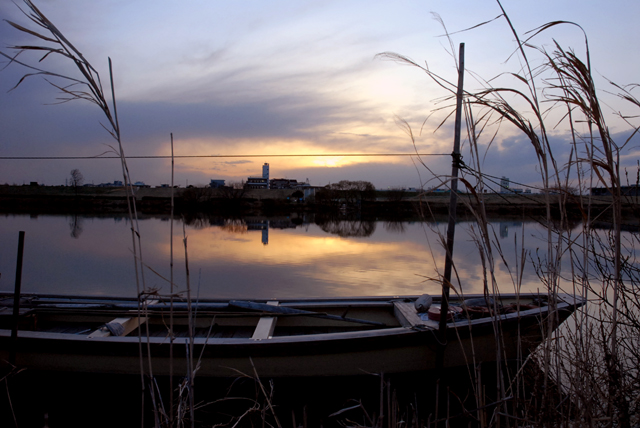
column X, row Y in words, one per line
column 304, row 184
column 256, row 183
column 215, row 184
column 439, row 190
column 625, row 190
column 259, row 182
column 276, row 183
column 283, row 183
column 504, row 185
column 288, row 183
column 116, row 183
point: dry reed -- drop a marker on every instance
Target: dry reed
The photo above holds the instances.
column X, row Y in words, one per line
column 583, row 374
column 589, row 372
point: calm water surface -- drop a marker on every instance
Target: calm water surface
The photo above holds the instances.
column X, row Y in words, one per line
column 254, row 257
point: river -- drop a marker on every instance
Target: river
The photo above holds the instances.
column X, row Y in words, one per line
column 257, row 258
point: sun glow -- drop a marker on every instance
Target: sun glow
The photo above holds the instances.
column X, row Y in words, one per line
column 241, row 160
column 329, row 162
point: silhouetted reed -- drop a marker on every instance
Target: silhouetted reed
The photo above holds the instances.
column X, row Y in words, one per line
column 589, row 372
column 584, row 373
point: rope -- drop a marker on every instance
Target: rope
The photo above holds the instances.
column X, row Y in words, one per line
column 457, row 160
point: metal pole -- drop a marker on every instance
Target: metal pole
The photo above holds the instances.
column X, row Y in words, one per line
column 16, row 299
column 453, row 202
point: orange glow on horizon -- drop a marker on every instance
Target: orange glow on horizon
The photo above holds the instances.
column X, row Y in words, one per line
column 242, row 167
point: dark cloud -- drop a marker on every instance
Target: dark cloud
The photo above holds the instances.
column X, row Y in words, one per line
column 33, row 127
column 233, row 163
column 237, row 101
column 381, row 173
column 266, row 119
column 355, row 135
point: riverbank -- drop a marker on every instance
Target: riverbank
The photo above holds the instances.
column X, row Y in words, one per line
column 86, row 200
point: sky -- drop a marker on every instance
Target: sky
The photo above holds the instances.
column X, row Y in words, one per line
column 294, row 78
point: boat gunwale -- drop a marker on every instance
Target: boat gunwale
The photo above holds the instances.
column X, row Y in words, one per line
column 50, row 299
column 317, row 337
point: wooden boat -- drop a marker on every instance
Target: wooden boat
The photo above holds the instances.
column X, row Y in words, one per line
column 311, row 337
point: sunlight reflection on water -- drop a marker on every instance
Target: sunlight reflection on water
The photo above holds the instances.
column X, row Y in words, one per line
column 251, row 259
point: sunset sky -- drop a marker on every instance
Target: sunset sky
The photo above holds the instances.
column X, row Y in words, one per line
column 291, row 77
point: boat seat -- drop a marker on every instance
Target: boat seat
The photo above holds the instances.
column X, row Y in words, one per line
column 406, row 313
column 121, row 326
column 266, row 325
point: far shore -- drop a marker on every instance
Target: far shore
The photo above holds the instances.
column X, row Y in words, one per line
column 88, row 200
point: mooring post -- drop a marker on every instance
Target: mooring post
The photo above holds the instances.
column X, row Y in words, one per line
column 16, row 299
column 453, row 203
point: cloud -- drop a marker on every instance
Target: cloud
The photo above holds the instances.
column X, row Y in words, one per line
column 297, row 78
column 240, row 162
column 356, row 135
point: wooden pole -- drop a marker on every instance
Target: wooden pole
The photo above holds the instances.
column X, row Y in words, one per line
column 453, row 203
column 16, row 299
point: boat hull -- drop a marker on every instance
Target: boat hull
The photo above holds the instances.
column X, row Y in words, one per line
column 401, row 349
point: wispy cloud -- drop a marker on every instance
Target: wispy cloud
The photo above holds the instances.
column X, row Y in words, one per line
column 284, row 77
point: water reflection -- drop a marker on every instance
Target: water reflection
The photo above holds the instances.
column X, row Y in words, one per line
column 394, row 226
column 504, row 227
column 255, row 257
column 234, row 226
column 349, row 228
column 75, row 224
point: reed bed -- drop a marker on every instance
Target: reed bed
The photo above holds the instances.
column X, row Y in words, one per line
column 584, row 373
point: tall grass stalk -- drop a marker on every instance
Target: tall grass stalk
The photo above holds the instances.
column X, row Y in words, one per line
column 589, row 370
column 171, row 291
column 596, row 355
column 88, row 87
column 190, row 367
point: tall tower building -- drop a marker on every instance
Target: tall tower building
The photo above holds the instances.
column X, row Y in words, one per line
column 265, row 173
